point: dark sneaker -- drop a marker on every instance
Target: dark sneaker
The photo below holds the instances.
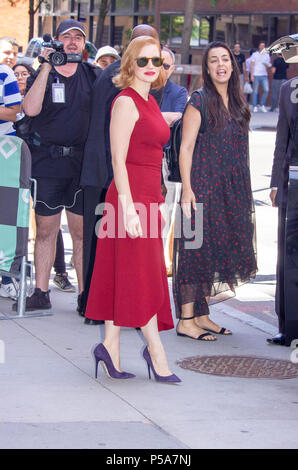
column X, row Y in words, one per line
column 62, row 282
column 38, row 301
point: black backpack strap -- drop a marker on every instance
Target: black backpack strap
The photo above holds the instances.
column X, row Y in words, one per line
column 202, row 110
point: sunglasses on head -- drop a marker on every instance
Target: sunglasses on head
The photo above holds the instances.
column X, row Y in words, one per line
column 143, row 61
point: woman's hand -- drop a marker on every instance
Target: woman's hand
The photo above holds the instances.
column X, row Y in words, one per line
column 133, row 224
column 272, row 196
column 188, row 200
column 164, row 190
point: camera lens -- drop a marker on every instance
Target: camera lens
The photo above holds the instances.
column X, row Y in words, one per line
column 58, row 58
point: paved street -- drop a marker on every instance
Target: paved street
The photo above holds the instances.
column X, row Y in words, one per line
column 49, row 397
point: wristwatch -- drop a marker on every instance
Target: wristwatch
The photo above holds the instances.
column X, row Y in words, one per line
column 42, row 60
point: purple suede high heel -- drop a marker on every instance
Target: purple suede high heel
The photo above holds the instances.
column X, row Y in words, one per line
column 159, row 378
column 101, row 355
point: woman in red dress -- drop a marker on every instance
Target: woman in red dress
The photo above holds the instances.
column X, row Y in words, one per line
column 129, row 283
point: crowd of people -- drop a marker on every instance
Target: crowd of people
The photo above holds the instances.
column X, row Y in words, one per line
column 96, row 133
column 254, row 75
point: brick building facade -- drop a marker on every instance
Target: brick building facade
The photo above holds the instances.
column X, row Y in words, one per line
column 15, row 21
column 248, row 21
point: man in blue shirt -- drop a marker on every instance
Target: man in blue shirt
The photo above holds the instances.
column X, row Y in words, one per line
column 174, row 96
column 10, row 100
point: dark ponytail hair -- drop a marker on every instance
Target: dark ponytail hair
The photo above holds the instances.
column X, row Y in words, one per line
column 238, row 107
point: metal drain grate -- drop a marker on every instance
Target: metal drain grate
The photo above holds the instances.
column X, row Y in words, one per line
column 241, row 366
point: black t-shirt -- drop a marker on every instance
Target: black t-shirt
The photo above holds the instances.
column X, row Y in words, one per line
column 240, row 58
column 64, row 124
column 281, row 69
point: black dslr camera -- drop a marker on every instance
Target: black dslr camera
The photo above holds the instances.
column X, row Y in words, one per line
column 59, row 57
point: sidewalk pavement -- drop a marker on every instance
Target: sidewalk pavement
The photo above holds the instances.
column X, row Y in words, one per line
column 49, row 397
column 261, row 120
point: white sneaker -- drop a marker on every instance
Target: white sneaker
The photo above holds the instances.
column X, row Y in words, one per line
column 8, row 291
column 263, row 109
column 255, row 109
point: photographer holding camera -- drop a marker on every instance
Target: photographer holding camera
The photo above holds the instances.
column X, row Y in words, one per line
column 58, row 100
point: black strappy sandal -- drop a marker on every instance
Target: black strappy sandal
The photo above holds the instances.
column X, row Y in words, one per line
column 199, row 338
column 221, row 332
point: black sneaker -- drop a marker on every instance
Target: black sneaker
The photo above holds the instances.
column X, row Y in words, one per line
column 62, row 282
column 38, row 301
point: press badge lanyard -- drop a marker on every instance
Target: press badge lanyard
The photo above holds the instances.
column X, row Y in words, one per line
column 58, row 91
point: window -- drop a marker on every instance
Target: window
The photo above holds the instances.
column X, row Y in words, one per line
column 95, row 6
column 171, row 30
column 45, row 8
column 176, row 29
column 205, row 31
column 200, row 32
column 123, row 29
column 105, row 38
column 146, row 19
column 165, row 22
column 123, row 5
column 259, row 29
column 224, row 29
column 279, row 26
column 294, row 24
column 62, row 7
column 146, row 5
column 242, row 31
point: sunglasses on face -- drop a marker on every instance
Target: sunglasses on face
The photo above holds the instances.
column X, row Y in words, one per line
column 166, row 66
column 143, row 61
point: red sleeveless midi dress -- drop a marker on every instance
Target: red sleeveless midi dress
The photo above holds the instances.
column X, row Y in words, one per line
column 129, row 282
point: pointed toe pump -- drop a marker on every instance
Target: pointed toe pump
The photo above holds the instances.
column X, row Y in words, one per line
column 101, row 355
column 159, row 378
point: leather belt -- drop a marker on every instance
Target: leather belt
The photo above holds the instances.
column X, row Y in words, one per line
column 58, row 151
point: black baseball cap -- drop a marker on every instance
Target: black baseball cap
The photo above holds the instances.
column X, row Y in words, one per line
column 67, row 25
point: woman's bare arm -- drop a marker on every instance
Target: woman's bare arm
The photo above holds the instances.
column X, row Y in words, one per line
column 123, row 119
column 191, row 126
